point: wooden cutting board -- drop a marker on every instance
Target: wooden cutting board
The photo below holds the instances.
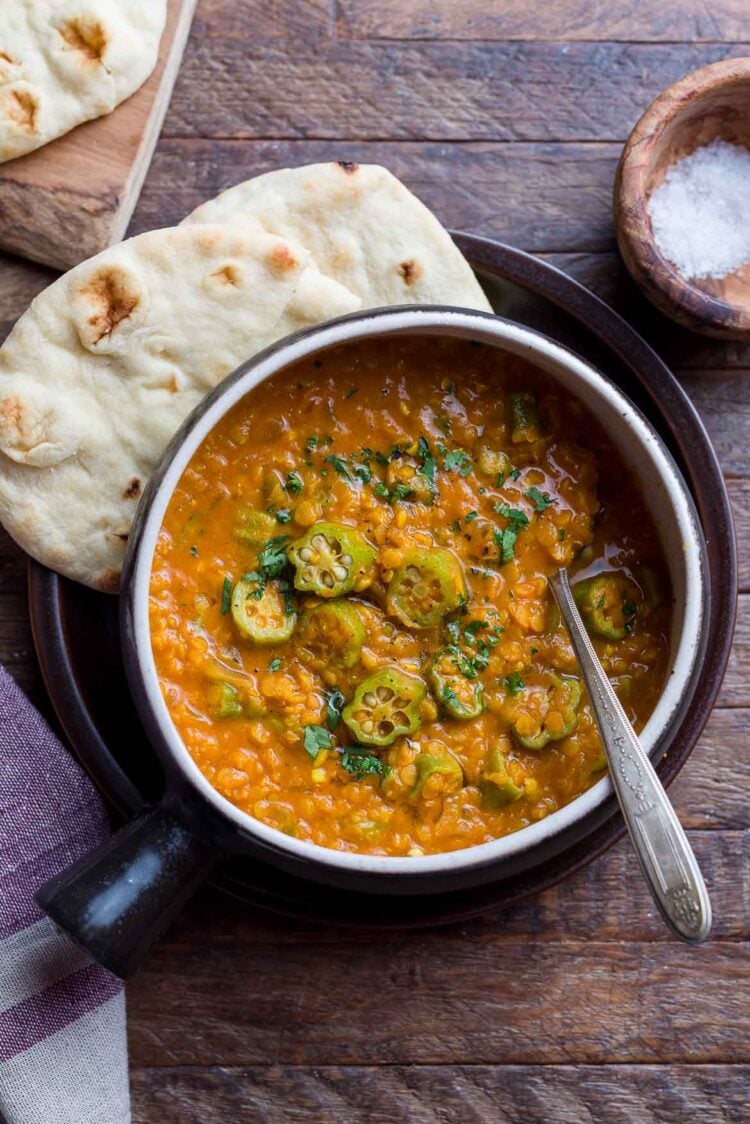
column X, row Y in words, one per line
column 75, row 196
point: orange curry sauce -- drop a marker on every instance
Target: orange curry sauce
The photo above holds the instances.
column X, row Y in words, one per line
column 411, row 442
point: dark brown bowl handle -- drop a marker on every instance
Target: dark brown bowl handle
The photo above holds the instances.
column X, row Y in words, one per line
column 118, row 900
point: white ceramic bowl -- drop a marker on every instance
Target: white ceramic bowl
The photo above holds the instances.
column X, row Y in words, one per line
column 643, row 451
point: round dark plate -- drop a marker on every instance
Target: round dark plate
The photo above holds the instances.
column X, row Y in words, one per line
column 77, row 637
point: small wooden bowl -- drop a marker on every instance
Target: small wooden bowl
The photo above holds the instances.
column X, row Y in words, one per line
column 709, row 103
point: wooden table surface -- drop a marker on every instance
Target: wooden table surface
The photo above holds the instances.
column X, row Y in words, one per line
column 507, row 118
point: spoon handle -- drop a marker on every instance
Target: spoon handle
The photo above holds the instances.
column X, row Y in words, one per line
column 661, row 845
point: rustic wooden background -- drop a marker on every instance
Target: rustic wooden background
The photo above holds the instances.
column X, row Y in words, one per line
column 507, row 117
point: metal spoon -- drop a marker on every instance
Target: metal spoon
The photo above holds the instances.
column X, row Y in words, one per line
column 666, row 857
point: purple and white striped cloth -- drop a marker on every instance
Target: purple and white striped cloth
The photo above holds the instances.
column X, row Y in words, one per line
column 63, row 1050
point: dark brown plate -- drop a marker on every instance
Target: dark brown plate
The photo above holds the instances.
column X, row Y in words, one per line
column 77, row 637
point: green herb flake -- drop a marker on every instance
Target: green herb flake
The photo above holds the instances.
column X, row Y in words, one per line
column 226, row 596
column 455, row 526
column 351, row 392
column 381, row 490
column 312, row 443
column 316, row 738
column 294, row 484
column 506, row 541
column 427, row 462
column 514, row 682
column 275, row 664
column 471, row 516
column 339, row 464
column 456, row 460
column 540, row 500
column 283, row 515
column 360, row 763
column 399, row 492
column 515, row 473
column 517, row 518
column 194, row 551
column 272, row 558
column 334, row 702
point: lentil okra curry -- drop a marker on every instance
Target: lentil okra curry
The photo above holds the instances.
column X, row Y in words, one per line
column 349, row 606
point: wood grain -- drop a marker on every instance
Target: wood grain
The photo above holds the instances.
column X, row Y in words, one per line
column 303, row 88
column 639, row 20
column 441, row 1000
column 401, row 1094
column 73, row 197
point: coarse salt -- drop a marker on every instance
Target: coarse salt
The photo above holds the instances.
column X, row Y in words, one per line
column 700, row 214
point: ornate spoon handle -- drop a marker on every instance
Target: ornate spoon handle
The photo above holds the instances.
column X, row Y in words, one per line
column 661, row 845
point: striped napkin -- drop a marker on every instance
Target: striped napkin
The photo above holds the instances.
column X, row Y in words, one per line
column 63, row 1050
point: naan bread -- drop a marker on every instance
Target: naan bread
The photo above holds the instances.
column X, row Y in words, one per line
column 107, row 362
column 363, row 228
column 63, row 62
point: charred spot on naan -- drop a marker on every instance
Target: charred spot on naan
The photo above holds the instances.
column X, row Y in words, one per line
column 133, row 489
column 19, row 105
column 107, row 306
column 86, row 37
column 229, row 275
column 410, row 271
column 28, row 434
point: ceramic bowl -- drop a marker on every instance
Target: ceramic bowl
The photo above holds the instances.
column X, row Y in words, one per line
column 116, row 901
column 710, row 103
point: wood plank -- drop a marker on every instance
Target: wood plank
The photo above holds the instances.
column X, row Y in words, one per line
column 641, row 20
column 73, row 197
column 404, row 1094
column 302, row 87
column 20, row 282
column 606, row 901
column 264, row 21
column 441, row 1000
column 735, row 689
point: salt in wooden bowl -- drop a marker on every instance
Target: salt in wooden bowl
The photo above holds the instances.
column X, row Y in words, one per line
column 710, row 103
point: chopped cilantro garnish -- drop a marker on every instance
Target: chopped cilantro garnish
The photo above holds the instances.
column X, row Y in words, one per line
column 334, row 702
column 362, row 472
column 515, row 473
column 514, row 682
column 456, row 460
column 316, row 738
column 351, row 392
column 427, row 462
column 450, row 696
column 194, row 551
column 399, row 492
column 361, row 763
column 275, row 664
column 294, row 484
column 312, row 442
column 534, row 651
column 339, row 465
column 471, row 516
column 226, row 595
column 283, row 515
column 452, row 388
column 506, row 540
column 272, row 558
column 455, row 526
column 500, row 480
column 561, row 534
column 381, row 490
column 540, row 500
column 514, row 516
